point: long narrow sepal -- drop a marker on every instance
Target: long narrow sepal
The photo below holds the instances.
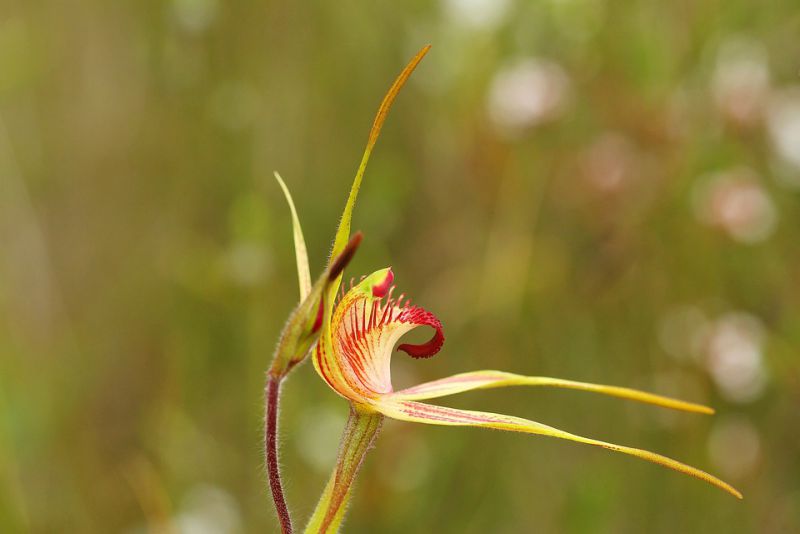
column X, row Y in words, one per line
column 494, row 379
column 418, row 412
column 343, row 231
column 359, row 435
column 303, row 273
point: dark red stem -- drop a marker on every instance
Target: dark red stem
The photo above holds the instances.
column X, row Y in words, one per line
column 271, row 443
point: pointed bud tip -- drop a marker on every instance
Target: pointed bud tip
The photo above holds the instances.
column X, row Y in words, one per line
column 346, row 255
column 380, row 290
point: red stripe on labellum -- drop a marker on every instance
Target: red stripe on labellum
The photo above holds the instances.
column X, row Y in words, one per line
column 363, row 319
column 373, row 314
column 379, row 290
column 323, row 365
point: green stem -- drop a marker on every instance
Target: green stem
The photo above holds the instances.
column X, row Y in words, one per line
column 359, row 434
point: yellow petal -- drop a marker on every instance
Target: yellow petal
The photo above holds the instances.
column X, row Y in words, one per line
column 495, row 379
column 418, row 412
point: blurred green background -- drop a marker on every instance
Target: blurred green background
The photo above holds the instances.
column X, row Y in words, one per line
column 591, row 189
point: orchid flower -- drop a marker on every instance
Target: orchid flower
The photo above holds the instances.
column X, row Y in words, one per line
column 356, row 337
column 353, row 357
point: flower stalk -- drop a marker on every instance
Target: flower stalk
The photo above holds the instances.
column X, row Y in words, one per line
column 359, row 436
column 271, row 440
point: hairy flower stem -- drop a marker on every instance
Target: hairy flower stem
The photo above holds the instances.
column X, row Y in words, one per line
column 271, row 443
column 359, row 435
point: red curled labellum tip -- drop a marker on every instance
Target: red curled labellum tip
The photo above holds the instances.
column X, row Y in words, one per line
column 380, row 290
column 424, row 350
column 366, row 323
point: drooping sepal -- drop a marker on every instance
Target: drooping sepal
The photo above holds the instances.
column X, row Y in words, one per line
column 419, row 412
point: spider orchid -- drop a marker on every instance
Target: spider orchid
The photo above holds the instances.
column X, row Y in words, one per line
column 353, row 357
column 356, row 335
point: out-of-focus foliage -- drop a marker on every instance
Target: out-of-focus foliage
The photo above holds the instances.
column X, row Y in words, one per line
column 598, row 190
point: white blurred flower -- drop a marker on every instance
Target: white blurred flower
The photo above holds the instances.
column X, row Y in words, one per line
column 735, row 201
column 740, row 83
column 195, row 15
column 479, row 14
column 734, row 356
column 527, row 93
column 734, row 446
column 208, row 509
column 783, row 121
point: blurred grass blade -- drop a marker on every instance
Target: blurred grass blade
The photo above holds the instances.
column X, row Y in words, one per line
column 303, row 273
column 343, row 232
column 419, row 412
column 494, row 379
